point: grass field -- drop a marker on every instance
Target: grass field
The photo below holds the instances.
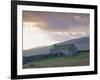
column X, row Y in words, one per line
column 81, row 59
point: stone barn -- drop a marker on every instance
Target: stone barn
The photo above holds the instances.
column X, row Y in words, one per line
column 63, row 50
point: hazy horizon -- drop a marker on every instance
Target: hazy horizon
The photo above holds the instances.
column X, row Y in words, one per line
column 53, row 44
column 47, row 28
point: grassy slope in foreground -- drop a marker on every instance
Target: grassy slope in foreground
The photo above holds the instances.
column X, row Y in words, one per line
column 81, row 59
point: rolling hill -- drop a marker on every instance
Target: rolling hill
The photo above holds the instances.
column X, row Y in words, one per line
column 82, row 44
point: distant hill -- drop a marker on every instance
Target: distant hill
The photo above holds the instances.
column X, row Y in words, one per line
column 37, row 51
column 81, row 44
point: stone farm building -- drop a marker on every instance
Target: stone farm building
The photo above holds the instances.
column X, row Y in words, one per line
column 63, row 50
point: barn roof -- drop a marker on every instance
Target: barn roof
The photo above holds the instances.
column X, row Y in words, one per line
column 64, row 46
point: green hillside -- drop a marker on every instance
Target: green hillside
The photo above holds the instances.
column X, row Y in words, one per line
column 81, row 59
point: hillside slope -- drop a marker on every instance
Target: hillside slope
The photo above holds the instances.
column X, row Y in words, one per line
column 81, row 44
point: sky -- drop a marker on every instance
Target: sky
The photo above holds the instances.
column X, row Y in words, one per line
column 47, row 28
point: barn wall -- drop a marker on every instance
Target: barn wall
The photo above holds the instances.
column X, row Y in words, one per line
column 65, row 52
column 73, row 50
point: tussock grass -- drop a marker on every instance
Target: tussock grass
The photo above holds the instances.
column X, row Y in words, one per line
column 81, row 59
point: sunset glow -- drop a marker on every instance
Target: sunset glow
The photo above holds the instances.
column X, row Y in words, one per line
column 34, row 36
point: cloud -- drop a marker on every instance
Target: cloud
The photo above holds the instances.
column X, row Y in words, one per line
column 59, row 22
column 64, row 36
